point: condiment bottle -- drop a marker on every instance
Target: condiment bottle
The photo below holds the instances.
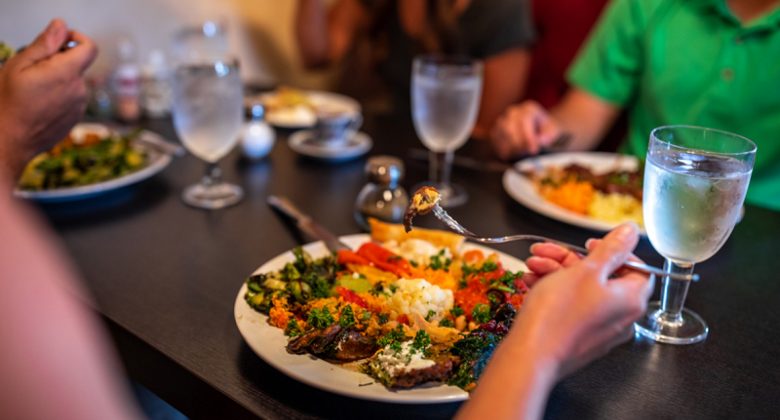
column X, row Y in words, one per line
column 127, row 84
column 156, row 95
column 258, row 137
column 382, row 197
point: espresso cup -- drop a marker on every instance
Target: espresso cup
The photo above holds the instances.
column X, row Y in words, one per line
column 336, row 129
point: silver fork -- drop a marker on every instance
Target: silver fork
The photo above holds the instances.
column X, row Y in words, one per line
column 453, row 224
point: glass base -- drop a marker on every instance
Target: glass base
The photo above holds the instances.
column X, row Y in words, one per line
column 212, row 197
column 688, row 328
column 452, row 195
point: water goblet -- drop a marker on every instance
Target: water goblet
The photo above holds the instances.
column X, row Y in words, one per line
column 695, row 184
column 446, row 91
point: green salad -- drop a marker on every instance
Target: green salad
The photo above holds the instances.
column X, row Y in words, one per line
column 89, row 159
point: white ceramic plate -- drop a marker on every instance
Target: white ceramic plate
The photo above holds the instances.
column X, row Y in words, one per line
column 301, row 142
column 269, row 343
column 156, row 162
column 523, row 191
column 290, row 119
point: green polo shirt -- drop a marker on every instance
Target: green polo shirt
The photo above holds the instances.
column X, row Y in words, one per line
column 690, row 62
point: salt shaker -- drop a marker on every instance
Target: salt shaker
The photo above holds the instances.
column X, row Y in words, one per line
column 258, row 137
column 382, row 197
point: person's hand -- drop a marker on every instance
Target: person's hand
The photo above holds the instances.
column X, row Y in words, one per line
column 524, row 129
column 584, row 307
column 42, row 94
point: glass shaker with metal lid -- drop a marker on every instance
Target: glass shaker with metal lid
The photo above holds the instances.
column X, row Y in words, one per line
column 382, row 197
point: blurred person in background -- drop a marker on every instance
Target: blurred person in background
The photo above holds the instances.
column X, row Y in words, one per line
column 700, row 62
column 53, row 346
column 382, row 37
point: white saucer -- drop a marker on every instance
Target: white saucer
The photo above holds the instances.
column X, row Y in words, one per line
column 302, row 142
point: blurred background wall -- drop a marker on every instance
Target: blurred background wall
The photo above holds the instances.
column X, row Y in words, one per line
column 261, row 32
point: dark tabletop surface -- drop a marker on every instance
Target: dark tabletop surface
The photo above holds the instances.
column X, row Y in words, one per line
column 165, row 277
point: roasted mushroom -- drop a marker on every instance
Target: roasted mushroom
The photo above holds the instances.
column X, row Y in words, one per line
column 423, row 202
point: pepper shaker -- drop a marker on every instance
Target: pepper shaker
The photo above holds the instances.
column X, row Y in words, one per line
column 382, row 197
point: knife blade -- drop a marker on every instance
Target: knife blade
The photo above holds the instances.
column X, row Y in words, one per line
column 306, row 224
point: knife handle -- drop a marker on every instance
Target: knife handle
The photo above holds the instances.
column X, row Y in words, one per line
column 287, row 207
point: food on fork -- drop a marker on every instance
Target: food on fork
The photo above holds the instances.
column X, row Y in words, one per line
column 423, row 201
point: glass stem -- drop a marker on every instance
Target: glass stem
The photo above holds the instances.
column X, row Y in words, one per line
column 212, row 176
column 446, row 167
column 674, row 292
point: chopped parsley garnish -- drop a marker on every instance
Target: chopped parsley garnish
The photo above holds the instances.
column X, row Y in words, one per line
column 421, row 342
column 320, row 318
column 293, row 329
column 347, row 317
column 393, row 339
column 440, row 262
column 488, row 266
column 446, row 322
column 481, row 313
column 456, row 311
column 393, row 288
column 383, row 318
column 414, row 263
column 366, row 316
column 430, row 315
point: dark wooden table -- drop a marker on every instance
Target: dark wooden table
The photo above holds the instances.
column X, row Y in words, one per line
column 165, row 277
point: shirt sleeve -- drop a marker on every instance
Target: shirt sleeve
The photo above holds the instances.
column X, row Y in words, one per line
column 610, row 64
column 496, row 26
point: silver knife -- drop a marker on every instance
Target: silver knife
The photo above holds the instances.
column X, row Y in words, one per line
column 306, row 224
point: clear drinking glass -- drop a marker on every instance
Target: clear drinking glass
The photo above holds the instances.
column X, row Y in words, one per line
column 207, row 111
column 445, row 99
column 694, row 187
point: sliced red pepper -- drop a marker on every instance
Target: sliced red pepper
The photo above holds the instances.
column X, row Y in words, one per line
column 403, row 319
column 346, row 256
column 351, row 297
column 384, row 259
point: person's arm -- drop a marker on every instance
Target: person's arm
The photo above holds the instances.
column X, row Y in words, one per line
column 504, row 78
column 42, row 94
column 579, row 122
column 55, row 360
column 325, row 36
column 576, row 313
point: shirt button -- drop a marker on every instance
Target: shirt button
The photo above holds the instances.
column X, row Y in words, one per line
column 727, row 74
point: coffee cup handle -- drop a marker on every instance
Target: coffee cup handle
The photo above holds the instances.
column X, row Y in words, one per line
column 355, row 125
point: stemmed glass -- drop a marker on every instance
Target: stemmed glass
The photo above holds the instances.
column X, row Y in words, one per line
column 445, row 99
column 207, row 110
column 695, row 183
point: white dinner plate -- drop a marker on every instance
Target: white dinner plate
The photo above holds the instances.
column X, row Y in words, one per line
column 524, row 192
column 288, row 119
column 269, row 343
column 156, row 162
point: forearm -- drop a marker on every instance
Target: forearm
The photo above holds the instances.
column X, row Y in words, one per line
column 504, row 81
column 584, row 118
column 515, row 384
column 311, row 31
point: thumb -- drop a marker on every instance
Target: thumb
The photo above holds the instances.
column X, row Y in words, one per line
column 608, row 255
column 548, row 132
column 46, row 44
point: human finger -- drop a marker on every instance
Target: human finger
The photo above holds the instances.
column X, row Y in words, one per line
column 633, row 288
column 592, row 243
column 555, row 252
column 548, row 132
column 542, row 266
column 47, row 43
column 527, row 124
column 613, row 250
column 82, row 55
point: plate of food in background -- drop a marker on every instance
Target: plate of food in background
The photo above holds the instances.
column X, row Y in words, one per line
column 291, row 108
column 588, row 189
column 91, row 160
column 402, row 318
